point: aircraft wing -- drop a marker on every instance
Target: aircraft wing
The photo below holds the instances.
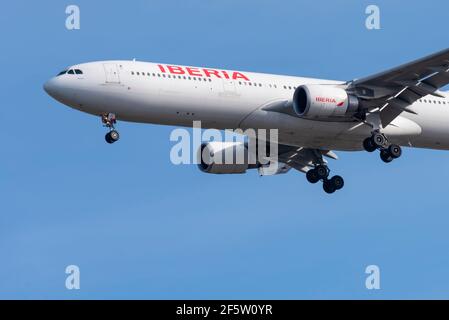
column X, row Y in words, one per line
column 392, row 91
column 299, row 158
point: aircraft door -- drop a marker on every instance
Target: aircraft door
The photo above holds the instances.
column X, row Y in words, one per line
column 111, row 73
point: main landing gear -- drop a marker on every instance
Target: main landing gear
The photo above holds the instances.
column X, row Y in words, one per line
column 378, row 141
column 321, row 172
column 109, row 120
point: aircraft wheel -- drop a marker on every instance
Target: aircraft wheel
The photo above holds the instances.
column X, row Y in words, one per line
column 322, row 171
column 378, row 140
column 328, row 187
column 395, row 151
column 337, row 182
column 368, row 145
column 112, row 136
column 385, row 156
column 312, row 176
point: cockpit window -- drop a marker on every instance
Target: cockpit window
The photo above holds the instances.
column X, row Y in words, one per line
column 71, row 71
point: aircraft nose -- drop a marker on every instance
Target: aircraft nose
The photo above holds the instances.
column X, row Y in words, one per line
column 50, row 87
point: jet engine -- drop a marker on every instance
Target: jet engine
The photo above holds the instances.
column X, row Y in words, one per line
column 224, row 158
column 323, row 102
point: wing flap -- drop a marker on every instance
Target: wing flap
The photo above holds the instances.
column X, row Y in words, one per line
column 303, row 159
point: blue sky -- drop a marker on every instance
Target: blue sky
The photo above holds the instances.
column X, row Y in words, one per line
column 140, row 227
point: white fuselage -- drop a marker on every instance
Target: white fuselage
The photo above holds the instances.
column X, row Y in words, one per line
column 223, row 99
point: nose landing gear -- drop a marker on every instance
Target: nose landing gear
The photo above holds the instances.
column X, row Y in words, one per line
column 109, row 120
column 321, row 172
column 388, row 152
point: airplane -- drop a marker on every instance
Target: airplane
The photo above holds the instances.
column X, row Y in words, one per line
column 400, row 107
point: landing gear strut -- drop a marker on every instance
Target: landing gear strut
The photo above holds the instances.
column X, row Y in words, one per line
column 378, row 141
column 109, row 120
column 321, row 172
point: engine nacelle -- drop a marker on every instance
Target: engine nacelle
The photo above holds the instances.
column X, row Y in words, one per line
column 323, row 102
column 224, row 158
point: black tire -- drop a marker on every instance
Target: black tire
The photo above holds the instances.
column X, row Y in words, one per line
column 385, row 156
column 322, row 171
column 394, row 151
column 312, row 176
column 108, row 139
column 114, row 135
column 337, row 182
column 328, row 187
column 368, row 145
column 378, row 140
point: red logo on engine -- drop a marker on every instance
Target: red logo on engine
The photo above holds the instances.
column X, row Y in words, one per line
column 329, row 100
column 326, row 100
